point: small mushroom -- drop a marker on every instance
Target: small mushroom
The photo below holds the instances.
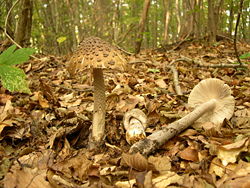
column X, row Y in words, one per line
column 211, row 100
column 97, row 54
column 135, row 123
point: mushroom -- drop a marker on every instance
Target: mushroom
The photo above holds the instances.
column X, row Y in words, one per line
column 211, row 100
column 97, row 54
column 135, row 123
column 219, row 95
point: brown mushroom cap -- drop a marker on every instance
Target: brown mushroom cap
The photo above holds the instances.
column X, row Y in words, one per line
column 213, row 88
column 94, row 52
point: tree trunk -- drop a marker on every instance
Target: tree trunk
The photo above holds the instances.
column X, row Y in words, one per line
column 10, row 23
column 231, row 18
column 142, row 26
column 101, row 17
column 178, row 16
column 167, row 14
column 187, row 20
column 213, row 19
column 23, row 29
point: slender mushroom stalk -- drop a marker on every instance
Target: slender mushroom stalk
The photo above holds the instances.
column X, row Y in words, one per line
column 135, row 123
column 212, row 101
column 99, row 105
column 98, row 55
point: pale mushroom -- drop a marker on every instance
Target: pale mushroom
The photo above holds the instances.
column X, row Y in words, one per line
column 135, row 123
column 97, row 54
column 219, row 95
column 212, row 101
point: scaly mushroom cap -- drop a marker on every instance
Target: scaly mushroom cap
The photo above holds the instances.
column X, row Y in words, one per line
column 93, row 52
column 213, row 88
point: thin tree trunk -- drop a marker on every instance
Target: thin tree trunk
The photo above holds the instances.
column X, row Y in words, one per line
column 167, row 19
column 213, row 18
column 10, row 23
column 142, row 26
column 178, row 16
column 101, row 17
column 187, row 20
column 23, row 29
column 231, row 18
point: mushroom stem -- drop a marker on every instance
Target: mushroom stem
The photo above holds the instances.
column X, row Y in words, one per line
column 158, row 138
column 98, row 126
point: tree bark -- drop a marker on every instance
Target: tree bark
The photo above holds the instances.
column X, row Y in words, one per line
column 23, row 29
column 213, row 19
column 101, row 17
column 167, row 14
column 142, row 26
column 10, row 23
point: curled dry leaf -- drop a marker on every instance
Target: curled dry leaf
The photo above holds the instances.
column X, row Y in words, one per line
column 136, row 161
column 161, row 163
column 229, row 153
column 189, row 154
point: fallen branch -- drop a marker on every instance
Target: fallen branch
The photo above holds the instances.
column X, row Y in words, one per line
column 206, row 65
column 176, row 80
column 158, row 138
column 212, row 101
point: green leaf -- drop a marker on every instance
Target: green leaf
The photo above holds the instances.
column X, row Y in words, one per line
column 11, row 57
column 248, row 158
column 153, row 70
column 5, row 55
column 61, row 39
column 13, row 79
column 245, row 56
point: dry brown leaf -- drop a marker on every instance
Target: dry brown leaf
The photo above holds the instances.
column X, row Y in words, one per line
column 229, row 153
column 217, row 168
column 161, row 83
column 4, row 111
column 42, row 101
column 235, row 175
column 189, row 154
column 167, row 179
column 27, row 177
column 4, row 98
column 76, row 167
column 161, row 164
column 135, row 161
column 33, row 171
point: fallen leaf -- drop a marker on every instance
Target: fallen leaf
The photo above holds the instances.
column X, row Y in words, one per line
column 135, row 161
column 229, row 153
column 189, row 154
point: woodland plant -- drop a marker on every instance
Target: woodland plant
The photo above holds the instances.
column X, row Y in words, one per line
column 12, row 77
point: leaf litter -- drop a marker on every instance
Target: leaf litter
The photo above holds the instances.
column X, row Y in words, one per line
column 44, row 135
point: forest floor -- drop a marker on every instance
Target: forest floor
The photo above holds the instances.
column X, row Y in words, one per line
column 44, row 135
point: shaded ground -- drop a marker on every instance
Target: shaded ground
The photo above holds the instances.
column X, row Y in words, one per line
column 44, row 135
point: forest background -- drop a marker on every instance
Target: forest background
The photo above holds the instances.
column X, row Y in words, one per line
column 177, row 43
column 57, row 26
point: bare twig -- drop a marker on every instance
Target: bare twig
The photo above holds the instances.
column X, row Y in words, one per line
column 236, row 30
column 206, row 65
column 124, row 51
column 6, row 22
column 130, row 27
column 175, row 79
column 5, row 28
column 181, row 42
